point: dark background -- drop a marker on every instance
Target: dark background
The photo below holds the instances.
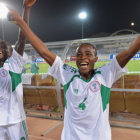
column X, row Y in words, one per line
column 57, row 20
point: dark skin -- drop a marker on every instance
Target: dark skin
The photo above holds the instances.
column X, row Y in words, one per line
column 85, row 60
column 5, row 50
column 122, row 58
column 20, row 44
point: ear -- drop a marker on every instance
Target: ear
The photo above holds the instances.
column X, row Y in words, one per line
column 96, row 59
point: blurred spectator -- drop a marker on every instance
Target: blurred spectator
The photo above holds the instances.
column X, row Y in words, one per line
column 34, row 67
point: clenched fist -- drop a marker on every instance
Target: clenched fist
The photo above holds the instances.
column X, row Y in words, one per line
column 29, row 3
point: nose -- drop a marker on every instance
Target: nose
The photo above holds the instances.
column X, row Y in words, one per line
column 83, row 56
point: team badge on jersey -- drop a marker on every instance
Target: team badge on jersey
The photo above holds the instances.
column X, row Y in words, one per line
column 94, row 86
column 3, row 73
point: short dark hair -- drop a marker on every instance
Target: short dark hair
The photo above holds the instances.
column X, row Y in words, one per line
column 4, row 46
column 88, row 44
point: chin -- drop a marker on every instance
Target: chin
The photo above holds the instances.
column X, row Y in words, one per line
column 84, row 72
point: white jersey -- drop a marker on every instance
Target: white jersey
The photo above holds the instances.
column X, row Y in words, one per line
column 86, row 114
column 11, row 90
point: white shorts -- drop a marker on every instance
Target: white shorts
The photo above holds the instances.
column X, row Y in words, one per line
column 14, row 132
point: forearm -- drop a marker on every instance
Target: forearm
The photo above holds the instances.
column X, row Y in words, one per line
column 37, row 43
column 20, row 44
column 126, row 55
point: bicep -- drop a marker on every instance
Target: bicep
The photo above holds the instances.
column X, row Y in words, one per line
column 122, row 58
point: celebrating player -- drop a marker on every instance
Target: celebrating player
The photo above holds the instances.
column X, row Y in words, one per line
column 86, row 90
column 12, row 118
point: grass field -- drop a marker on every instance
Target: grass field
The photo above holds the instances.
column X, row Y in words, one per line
column 132, row 66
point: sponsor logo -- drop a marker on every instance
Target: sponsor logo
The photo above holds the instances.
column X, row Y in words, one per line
column 3, row 73
column 94, row 86
column 22, row 138
column 75, row 91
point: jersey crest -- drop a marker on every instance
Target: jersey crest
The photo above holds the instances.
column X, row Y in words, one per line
column 3, row 73
column 94, row 86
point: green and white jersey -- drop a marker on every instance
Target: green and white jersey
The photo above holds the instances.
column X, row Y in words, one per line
column 11, row 90
column 86, row 101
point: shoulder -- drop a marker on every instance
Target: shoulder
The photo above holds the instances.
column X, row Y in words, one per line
column 69, row 68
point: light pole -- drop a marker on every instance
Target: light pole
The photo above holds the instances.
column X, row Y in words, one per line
column 3, row 14
column 82, row 16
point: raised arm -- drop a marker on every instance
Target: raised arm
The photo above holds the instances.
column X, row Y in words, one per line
column 33, row 39
column 124, row 56
column 20, row 44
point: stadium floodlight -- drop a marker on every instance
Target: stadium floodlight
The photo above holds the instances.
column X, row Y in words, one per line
column 3, row 10
column 82, row 15
column 132, row 23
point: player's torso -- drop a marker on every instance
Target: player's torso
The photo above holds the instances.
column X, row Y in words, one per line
column 84, row 99
column 5, row 84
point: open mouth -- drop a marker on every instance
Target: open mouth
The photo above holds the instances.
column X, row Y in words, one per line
column 84, row 65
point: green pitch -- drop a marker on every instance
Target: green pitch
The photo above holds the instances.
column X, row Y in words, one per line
column 132, row 66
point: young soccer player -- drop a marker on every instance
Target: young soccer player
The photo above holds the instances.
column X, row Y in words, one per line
column 12, row 118
column 86, row 90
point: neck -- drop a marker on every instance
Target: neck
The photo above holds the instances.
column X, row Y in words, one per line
column 87, row 75
column 1, row 63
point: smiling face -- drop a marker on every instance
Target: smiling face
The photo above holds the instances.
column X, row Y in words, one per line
column 3, row 52
column 85, row 59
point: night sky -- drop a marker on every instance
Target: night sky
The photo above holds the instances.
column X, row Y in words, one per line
column 57, row 20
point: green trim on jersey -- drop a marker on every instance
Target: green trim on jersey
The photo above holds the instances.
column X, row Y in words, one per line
column 6, row 61
column 97, row 72
column 87, row 79
column 16, row 79
column 105, row 94
column 25, row 129
column 66, row 86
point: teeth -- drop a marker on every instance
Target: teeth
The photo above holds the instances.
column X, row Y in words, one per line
column 84, row 64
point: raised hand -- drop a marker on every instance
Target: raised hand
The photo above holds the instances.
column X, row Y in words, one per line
column 29, row 3
column 13, row 16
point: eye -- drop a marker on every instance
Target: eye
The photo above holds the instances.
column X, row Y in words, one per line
column 79, row 54
column 88, row 54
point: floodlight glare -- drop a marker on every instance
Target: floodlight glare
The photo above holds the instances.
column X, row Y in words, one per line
column 82, row 15
column 132, row 23
column 3, row 10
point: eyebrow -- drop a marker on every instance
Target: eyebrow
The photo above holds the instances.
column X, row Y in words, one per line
column 86, row 51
